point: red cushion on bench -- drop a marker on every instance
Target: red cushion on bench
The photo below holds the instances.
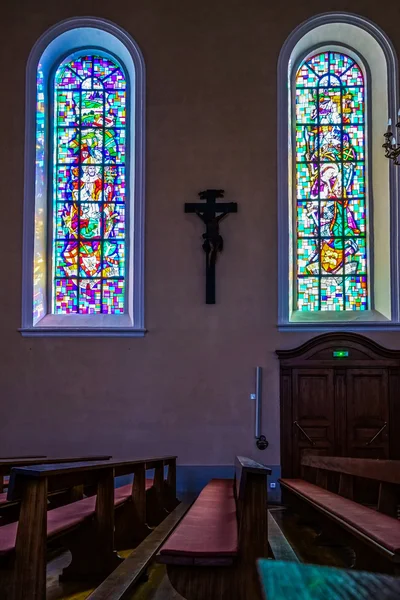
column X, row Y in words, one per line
column 383, row 529
column 122, row 493
column 209, row 529
column 3, row 498
column 8, row 534
column 70, row 515
column 58, row 520
column 63, row 518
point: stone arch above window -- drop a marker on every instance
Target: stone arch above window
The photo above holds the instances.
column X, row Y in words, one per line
column 84, row 183
column 338, row 240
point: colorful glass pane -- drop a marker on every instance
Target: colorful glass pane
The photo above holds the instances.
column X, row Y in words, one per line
column 39, row 265
column 331, row 222
column 89, row 186
column 66, row 296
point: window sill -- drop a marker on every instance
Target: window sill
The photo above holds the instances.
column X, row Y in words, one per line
column 84, row 326
column 81, row 332
column 369, row 320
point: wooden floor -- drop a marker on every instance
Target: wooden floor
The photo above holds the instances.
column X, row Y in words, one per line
column 156, row 588
column 302, row 537
column 56, row 590
column 307, row 545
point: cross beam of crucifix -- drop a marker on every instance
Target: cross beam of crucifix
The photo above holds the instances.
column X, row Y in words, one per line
column 211, row 213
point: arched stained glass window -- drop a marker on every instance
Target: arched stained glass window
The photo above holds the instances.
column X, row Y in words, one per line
column 331, row 207
column 89, row 175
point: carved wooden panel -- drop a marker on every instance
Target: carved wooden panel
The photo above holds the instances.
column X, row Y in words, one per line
column 339, row 397
column 367, row 413
column 313, row 414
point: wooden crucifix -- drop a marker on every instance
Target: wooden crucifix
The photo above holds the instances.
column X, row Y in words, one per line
column 211, row 213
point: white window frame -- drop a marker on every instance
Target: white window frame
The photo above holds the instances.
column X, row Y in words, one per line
column 65, row 38
column 361, row 38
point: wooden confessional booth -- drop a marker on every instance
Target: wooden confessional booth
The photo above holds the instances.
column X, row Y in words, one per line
column 340, row 396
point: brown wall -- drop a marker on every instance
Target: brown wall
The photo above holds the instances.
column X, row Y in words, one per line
column 211, row 122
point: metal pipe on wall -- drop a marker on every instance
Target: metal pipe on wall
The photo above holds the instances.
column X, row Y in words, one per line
column 261, row 442
column 258, row 401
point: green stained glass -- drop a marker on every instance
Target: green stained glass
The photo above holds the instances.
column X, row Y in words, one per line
column 353, row 142
column 306, row 105
column 320, row 63
column 307, row 219
column 339, row 63
column 303, row 181
column 306, row 77
column 331, row 220
column 308, row 289
column 89, row 186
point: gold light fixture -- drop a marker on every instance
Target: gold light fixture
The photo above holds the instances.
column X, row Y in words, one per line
column 392, row 148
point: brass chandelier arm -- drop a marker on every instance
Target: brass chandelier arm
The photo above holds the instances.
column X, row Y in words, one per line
column 392, row 148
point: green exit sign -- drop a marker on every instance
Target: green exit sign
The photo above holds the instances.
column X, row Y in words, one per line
column 340, row 354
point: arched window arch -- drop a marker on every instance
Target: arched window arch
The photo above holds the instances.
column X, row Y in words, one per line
column 84, row 185
column 338, row 238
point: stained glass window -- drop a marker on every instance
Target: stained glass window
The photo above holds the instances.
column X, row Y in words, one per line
column 39, row 258
column 89, row 177
column 330, row 156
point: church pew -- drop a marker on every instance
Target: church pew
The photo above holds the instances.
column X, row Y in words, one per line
column 213, row 551
column 9, row 510
column 86, row 526
column 131, row 571
column 374, row 535
column 148, row 509
column 4, row 479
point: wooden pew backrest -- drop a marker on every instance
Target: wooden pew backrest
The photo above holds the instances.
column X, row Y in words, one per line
column 69, row 474
column 386, row 472
column 23, row 456
column 251, row 480
column 7, row 463
column 368, row 468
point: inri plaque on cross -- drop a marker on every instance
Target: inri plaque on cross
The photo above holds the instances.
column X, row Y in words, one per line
column 211, row 213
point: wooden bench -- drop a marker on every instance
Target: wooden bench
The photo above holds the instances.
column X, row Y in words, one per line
column 4, row 479
column 138, row 515
column 131, row 571
column 9, row 510
column 86, row 526
column 212, row 552
column 374, row 535
column 282, row 580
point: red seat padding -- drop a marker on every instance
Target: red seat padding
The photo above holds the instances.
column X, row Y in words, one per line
column 3, row 498
column 58, row 520
column 381, row 528
column 8, row 535
column 122, row 493
column 209, row 528
column 63, row 518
